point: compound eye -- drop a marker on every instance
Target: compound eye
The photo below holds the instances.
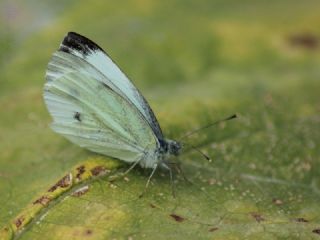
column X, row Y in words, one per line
column 178, row 146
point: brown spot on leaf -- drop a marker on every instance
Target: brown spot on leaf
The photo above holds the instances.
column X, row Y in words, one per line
column 98, row 170
column 43, row 200
column 152, row 206
column 213, row 229
column 81, row 169
column 88, row 232
column 62, row 183
column 81, row 191
column 177, row 218
column 316, row 231
column 301, row 220
column 258, row 217
column 304, row 40
column 18, row 222
column 277, row 201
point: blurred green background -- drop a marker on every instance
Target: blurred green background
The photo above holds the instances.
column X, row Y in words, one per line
column 195, row 62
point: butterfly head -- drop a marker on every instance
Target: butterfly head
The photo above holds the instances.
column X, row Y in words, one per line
column 171, row 147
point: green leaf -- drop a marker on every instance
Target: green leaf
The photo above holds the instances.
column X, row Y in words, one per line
column 195, row 63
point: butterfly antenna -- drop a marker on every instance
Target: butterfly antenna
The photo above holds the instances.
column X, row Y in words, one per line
column 199, row 151
column 208, row 126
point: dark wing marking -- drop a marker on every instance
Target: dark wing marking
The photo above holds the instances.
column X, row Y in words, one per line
column 79, row 43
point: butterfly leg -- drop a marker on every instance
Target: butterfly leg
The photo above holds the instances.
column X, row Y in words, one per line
column 165, row 166
column 113, row 178
column 179, row 170
column 172, row 183
column 149, row 179
column 130, row 168
column 177, row 167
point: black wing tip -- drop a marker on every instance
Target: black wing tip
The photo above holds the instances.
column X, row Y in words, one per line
column 76, row 41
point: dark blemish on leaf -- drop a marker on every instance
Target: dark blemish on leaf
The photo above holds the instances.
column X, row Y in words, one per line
column 177, row 218
column 98, row 170
column 18, row 222
column 213, row 229
column 277, row 201
column 77, row 116
column 258, row 217
column 303, row 220
column 81, row 169
column 63, row 183
column 316, row 231
column 304, row 40
column 81, row 191
column 43, row 200
column 88, row 232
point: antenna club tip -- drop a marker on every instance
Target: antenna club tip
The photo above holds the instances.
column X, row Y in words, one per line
column 229, row 118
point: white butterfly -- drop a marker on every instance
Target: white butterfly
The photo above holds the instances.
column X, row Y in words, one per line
column 95, row 105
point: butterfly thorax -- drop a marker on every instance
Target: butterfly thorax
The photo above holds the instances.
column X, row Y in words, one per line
column 170, row 147
column 167, row 148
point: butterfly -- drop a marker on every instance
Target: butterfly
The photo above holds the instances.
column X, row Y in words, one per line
column 95, row 105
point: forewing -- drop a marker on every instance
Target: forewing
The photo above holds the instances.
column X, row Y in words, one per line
column 89, row 51
column 92, row 115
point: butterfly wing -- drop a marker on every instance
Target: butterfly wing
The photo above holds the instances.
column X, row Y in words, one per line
column 94, row 55
column 91, row 114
